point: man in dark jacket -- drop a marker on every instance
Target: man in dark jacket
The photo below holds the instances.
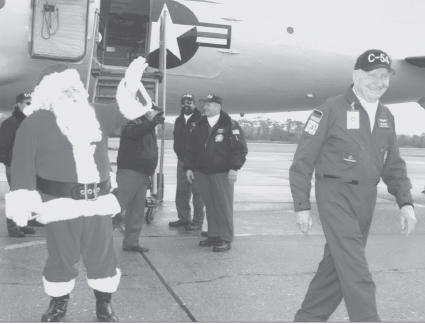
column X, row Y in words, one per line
column 8, row 130
column 217, row 148
column 137, row 160
column 182, row 128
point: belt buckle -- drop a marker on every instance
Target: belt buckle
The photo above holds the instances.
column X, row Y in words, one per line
column 94, row 191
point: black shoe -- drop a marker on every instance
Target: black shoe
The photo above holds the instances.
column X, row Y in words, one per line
column 204, row 234
column 193, row 227
column 104, row 310
column 211, row 241
column 16, row 232
column 224, row 246
column 137, row 248
column 178, row 223
column 34, row 223
column 27, row 230
column 57, row 309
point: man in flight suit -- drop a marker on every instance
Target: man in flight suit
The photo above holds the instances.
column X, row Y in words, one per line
column 350, row 142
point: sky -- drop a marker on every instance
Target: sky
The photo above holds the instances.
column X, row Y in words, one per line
column 409, row 117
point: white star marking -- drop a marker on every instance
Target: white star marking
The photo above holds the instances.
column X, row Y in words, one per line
column 173, row 31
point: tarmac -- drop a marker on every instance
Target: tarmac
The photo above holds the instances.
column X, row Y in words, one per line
column 263, row 278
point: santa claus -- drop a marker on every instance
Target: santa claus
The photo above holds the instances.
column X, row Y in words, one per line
column 61, row 172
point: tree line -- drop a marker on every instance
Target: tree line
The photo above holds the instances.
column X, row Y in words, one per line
column 267, row 130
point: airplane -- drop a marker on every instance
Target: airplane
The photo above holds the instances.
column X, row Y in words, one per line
column 258, row 55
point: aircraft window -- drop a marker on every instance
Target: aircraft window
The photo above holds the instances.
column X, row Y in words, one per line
column 126, row 31
column 2, row 3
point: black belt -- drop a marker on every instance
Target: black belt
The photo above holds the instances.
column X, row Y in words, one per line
column 331, row 178
column 77, row 191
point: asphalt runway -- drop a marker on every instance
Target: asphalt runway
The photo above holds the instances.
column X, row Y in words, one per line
column 263, row 278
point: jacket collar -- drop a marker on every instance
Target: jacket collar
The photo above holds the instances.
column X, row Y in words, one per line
column 18, row 114
column 223, row 120
column 196, row 114
column 351, row 97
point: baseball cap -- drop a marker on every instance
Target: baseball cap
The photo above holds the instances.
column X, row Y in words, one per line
column 188, row 96
column 373, row 59
column 60, row 67
column 23, row 96
column 211, row 98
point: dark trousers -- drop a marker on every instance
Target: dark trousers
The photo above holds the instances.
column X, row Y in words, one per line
column 184, row 192
column 131, row 195
column 11, row 225
column 218, row 198
column 346, row 214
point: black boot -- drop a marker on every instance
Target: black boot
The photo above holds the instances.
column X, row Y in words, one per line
column 104, row 310
column 57, row 309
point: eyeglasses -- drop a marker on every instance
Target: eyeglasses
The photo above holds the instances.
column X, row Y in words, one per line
column 187, row 102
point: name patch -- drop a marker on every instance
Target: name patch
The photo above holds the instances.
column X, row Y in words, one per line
column 383, row 123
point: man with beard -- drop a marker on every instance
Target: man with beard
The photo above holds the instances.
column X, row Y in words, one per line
column 137, row 160
column 8, row 130
column 350, row 142
column 182, row 128
column 61, row 170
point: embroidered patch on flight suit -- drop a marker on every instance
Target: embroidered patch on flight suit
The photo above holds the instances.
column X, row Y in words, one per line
column 235, row 132
column 313, row 122
column 349, row 158
column 220, row 131
column 383, row 123
column 219, row 138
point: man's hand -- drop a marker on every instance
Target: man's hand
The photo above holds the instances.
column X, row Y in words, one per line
column 189, row 176
column 134, row 73
column 232, row 176
column 158, row 118
column 407, row 215
column 304, row 221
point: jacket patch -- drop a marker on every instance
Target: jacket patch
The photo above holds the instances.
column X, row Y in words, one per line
column 220, row 131
column 235, row 131
column 219, row 138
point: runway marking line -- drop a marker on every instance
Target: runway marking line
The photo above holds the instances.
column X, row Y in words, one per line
column 18, row 246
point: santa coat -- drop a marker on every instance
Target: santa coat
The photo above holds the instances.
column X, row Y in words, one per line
column 42, row 149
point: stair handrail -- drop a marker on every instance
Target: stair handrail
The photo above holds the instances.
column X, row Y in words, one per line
column 105, row 32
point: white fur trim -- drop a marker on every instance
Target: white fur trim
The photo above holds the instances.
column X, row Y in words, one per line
column 58, row 289
column 106, row 285
column 66, row 208
column 20, row 203
column 113, row 180
column 129, row 106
